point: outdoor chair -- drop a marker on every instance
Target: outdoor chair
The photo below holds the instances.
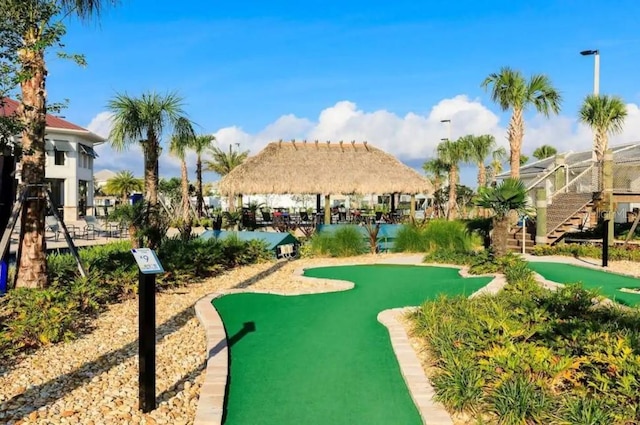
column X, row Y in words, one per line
column 304, row 217
column 266, row 218
column 51, row 225
column 94, row 227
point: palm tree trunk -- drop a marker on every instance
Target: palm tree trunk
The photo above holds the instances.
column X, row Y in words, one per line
column 482, row 175
column 482, row 182
column 186, row 204
column 500, row 235
column 515, row 134
column 199, row 197
column 32, row 264
column 151, row 155
column 453, row 180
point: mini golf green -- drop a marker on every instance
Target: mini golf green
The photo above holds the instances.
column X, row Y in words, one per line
column 324, row 358
column 608, row 284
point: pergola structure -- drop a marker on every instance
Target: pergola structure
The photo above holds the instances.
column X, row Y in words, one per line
column 323, row 168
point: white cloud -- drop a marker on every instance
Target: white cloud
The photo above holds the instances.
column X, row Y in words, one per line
column 411, row 138
column 101, row 124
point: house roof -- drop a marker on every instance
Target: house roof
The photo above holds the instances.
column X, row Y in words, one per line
column 322, row 167
column 627, row 153
column 103, row 175
column 10, row 107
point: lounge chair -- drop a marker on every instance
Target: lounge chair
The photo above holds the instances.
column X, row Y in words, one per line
column 51, row 225
column 95, row 227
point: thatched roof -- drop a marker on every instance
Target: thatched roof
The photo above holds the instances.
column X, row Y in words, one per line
column 325, row 168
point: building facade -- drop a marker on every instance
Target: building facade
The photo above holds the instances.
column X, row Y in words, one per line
column 70, row 156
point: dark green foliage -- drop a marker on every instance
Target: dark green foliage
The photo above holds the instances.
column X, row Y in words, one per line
column 346, row 241
column 30, row 318
column 436, row 235
column 629, row 253
column 530, row 355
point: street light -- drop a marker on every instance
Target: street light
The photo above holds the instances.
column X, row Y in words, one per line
column 596, row 72
column 449, row 127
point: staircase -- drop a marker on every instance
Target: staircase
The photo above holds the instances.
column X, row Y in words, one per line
column 567, row 213
column 515, row 242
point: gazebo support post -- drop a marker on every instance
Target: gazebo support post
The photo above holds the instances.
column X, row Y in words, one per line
column 412, row 207
column 393, row 203
column 318, row 203
column 239, row 203
column 327, row 209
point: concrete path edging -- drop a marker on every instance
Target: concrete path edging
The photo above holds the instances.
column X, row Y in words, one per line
column 210, row 409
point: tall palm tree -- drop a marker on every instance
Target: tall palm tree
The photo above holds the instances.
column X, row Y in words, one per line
column 453, row 153
column 511, row 91
column 200, row 144
column 509, row 195
column 123, row 184
column 605, row 115
column 223, row 162
column 436, row 171
column 178, row 148
column 544, row 151
column 498, row 157
column 144, row 120
column 29, row 29
column 480, row 147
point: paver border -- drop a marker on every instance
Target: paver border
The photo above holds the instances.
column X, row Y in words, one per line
column 210, row 410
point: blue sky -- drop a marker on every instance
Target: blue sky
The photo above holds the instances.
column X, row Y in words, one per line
column 254, row 71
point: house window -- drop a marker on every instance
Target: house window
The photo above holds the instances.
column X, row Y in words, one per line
column 85, row 156
column 59, row 157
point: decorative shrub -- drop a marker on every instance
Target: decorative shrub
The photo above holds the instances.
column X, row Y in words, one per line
column 530, row 355
column 346, row 241
column 453, row 236
column 629, row 253
column 30, row 318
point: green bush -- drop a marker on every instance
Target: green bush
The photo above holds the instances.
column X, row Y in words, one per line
column 453, row 236
column 31, row 318
column 629, row 253
column 346, row 241
column 530, row 355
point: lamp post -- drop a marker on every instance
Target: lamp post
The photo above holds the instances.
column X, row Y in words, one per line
column 448, row 122
column 596, row 68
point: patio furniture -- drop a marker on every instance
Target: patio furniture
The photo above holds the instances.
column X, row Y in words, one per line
column 52, row 225
column 94, row 227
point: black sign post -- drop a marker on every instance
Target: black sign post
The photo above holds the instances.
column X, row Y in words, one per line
column 605, row 243
column 149, row 266
column 147, row 341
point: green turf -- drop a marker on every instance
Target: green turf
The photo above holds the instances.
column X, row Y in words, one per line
column 608, row 284
column 325, row 359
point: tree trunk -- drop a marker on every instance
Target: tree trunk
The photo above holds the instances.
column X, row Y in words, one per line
column 185, row 230
column 151, row 155
column 453, row 181
column 199, row 196
column 515, row 134
column 500, row 235
column 482, row 175
column 32, row 264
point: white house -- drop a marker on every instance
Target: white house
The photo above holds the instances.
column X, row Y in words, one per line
column 69, row 163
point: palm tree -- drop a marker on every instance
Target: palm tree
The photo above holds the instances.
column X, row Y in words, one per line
column 29, row 29
column 436, row 170
column 480, row 147
column 497, row 159
column 223, row 162
column 511, row 91
column 605, row 115
column 178, row 148
column 523, row 159
column 144, row 120
column 452, row 153
column 509, row 195
column 200, row 144
column 544, row 151
column 123, row 184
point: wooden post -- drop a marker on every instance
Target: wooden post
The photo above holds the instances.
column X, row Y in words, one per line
column 412, row 207
column 239, row 202
column 541, row 216
column 327, row 209
column 318, row 203
column 393, row 203
column 561, row 173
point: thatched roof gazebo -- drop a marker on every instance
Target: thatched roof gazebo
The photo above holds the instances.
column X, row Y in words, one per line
column 343, row 168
